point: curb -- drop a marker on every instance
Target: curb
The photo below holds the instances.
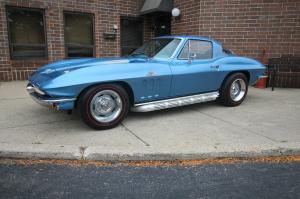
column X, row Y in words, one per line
column 92, row 153
column 188, row 156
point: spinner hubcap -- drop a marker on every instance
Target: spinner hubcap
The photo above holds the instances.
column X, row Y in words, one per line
column 106, row 106
column 237, row 89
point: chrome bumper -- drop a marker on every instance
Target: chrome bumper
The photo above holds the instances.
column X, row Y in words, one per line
column 37, row 96
column 258, row 78
column 262, row 76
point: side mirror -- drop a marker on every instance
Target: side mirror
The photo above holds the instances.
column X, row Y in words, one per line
column 192, row 56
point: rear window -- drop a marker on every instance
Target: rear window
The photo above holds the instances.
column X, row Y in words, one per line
column 228, row 52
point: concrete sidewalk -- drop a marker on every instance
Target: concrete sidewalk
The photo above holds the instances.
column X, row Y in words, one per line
column 267, row 123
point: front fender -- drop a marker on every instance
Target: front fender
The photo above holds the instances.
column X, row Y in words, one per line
column 137, row 75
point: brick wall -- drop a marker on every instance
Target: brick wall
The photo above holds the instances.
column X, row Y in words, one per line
column 244, row 26
column 5, row 67
column 106, row 13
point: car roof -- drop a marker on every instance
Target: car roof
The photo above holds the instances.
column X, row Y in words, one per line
column 190, row 37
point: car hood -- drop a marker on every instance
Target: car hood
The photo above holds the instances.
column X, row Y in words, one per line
column 73, row 64
column 58, row 68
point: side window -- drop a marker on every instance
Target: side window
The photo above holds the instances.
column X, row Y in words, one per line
column 185, row 51
column 198, row 49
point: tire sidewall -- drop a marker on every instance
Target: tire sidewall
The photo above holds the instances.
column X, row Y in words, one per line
column 87, row 98
column 225, row 92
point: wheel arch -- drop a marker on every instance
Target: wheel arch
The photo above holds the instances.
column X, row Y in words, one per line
column 245, row 72
column 123, row 84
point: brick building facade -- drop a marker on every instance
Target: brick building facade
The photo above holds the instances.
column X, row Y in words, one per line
column 245, row 26
column 248, row 27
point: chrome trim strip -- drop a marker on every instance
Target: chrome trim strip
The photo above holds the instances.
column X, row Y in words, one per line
column 174, row 102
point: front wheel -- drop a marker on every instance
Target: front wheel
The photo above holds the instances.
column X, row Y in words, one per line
column 104, row 106
column 234, row 90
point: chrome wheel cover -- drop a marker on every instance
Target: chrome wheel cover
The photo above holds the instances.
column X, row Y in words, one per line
column 106, row 106
column 238, row 90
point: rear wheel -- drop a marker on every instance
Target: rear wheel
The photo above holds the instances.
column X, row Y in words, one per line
column 234, row 90
column 104, row 106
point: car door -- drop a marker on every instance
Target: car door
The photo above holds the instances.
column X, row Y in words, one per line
column 154, row 75
column 194, row 70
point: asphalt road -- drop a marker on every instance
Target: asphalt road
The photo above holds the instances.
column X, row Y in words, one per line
column 242, row 180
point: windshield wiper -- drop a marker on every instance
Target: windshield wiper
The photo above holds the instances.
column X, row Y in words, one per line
column 139, row 53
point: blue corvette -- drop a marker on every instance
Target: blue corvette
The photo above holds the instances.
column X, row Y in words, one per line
column 165, row 72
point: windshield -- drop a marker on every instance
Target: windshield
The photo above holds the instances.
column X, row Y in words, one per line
column 157, row 48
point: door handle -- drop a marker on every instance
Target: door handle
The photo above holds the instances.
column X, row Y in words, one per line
column 215, row 66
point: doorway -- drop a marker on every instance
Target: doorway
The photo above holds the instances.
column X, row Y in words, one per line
column 162, row 25
column 132, row 34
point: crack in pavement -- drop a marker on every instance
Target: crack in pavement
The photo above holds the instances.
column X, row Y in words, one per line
column 82, row 150
column 228, row 122
column 136, row 136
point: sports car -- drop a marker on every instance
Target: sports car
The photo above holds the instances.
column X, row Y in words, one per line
column 164, row 72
